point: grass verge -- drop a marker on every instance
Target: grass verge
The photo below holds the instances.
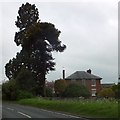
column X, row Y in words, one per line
column 88, row 108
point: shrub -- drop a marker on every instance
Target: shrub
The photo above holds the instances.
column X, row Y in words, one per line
column 25, row 80
column 24, row 94
column 49, row 92
column 75, row 90
column 60, row 86
column 116, row 90
column 106, row 92
column 9, row 90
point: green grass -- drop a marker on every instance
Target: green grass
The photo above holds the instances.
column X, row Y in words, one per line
column 87, row 108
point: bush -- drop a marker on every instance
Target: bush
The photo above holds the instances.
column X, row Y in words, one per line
column 25, row 80
column 106, row 92
column 60, row 86
column 75, row 90
column 49, row 92
column 116, row 90
column 24, row 94
column 9, row 90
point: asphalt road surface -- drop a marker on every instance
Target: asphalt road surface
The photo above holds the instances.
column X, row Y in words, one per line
column 10, row 110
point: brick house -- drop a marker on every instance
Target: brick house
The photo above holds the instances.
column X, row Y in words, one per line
column 92, row 82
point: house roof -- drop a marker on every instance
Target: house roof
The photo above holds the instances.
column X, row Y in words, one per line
column 78, row 75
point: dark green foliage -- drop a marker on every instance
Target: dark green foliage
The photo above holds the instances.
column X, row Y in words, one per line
column 25, row 80
column 49, row 92
column 38, row 40
column 106, row 92
column 9, row 90
column 0, row 92
column 28, row 14
column 13, row 67
column 60, row 86
column 24, row 94
column 116, row 90
column 75, row 90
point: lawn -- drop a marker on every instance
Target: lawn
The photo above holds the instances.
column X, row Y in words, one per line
column 85, row 108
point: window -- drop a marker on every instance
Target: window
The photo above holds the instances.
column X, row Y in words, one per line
column 93, row 82
column 93, row 92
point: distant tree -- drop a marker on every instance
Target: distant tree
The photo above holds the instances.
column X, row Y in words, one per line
column 75, row 90
column 38, row 41
column 60, row 86
column 116, row 90
column 106, row 92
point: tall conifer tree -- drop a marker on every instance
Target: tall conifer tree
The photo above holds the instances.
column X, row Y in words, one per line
column 38, row 40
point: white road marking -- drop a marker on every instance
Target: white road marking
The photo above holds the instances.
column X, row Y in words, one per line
column 62, row 114
column 25, row 114
column 10, row 109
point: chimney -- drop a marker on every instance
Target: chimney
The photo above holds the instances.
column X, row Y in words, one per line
column 63, row 74
column 89, row 71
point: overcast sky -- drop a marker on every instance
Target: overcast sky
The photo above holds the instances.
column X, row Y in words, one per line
column 89, row 29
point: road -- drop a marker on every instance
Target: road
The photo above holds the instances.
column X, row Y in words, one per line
column 10, row 110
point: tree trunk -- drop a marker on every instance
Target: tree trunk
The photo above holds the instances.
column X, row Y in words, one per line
column 41, row 80
column 43, row 85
